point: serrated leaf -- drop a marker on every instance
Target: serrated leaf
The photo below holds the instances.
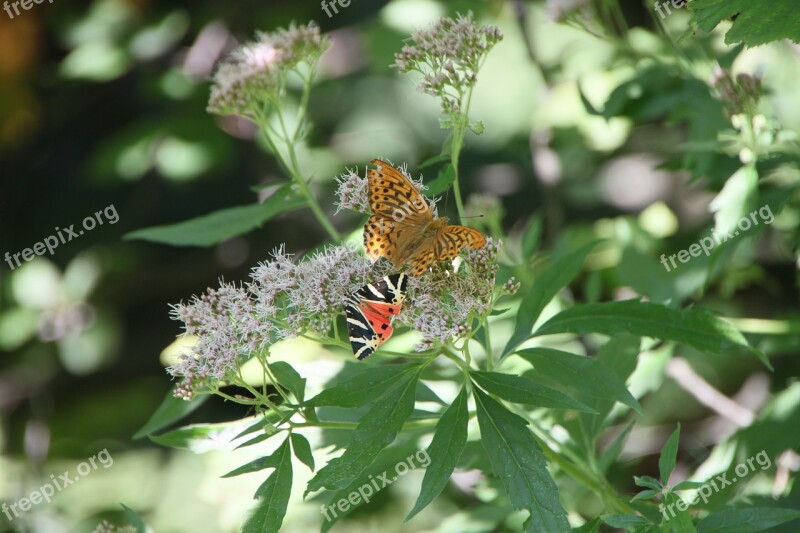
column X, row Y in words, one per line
column 518, row 389
column 289, row 378
column 694, row 327
column 518, row 461
column 210, row 229
column 669, row 455
column 750, row 520
column 553, row 279
column 444, row 451
column 273, row 496
column 302, row 450
column 753, row 24
column 572, row 370
column 376, row 430
column 364, row 387
column 169, row 411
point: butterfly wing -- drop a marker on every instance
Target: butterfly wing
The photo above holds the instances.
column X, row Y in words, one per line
column 445, row 245
column 369, row 313
column 400, row 213
column 392, row 196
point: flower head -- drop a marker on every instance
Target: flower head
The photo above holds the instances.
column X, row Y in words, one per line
column 353, row 191
column 446, row 302
column 740, row 94
column 224, row 322
column 448, row 55
column 256, row 70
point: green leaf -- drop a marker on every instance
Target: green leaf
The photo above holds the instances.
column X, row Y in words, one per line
column 518, row 461
column 446, row 177
column 289, row 378
column 647, row 481
column 546, row 286
column 221, row 225
column 623, row 521
column 262, row 463
column 364, row 387
column 201, row 438
column 171, row 410
column 444, row 451
column 749, row 520
column 273, row 496
column 441, row 158
column 753, row 24
column 679, row 521
column 694, row 327
column 669, row 454
column 302, row 450
column 376, row 430
column 518, row 389
column 572, row 371
column 593, row 526
column 738, row 198
column 645, row 495
column 133, row 519
column 687, row 485
column 532, row 236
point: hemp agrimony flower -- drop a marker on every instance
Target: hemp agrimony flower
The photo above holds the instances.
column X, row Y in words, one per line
column 352, row 191
column 255, row 73
column 448, row 55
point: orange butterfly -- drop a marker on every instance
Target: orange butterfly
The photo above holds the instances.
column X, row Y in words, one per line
column 402, row 227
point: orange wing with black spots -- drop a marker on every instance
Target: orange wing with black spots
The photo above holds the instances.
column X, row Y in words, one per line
column 402, row 228
column 369, row 313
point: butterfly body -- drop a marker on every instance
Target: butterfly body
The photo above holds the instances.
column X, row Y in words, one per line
column 369, row 313
column 402, row 227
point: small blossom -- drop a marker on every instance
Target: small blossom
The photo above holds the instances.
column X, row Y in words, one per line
column 107, row 527
column 740, row 94
column 353, row 191
column 448, row 55
column 224, row 321
column 444, row 303
column 255, row 71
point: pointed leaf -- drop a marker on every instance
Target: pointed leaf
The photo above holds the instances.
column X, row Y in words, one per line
column 749, row 520
column 669, row 454
column 133, row 519
column 572, row 371
column 693, row 327
column 221, row 225
column 518, row 461
column 302, row 450
column 364, row 387
column 262, row 463
column 376, row 430
column 171, row 410
column 647, row 481
column 518, row 389
column 444, row 451
column 557, row 276
column 289, row 378
column 273, row 496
